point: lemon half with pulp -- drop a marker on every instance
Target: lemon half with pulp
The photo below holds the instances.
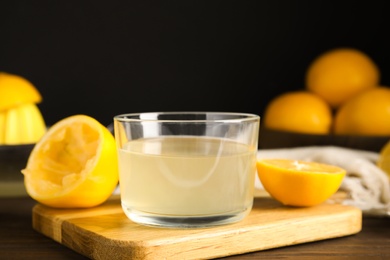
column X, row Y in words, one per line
column 74, row 165
column 299, row 183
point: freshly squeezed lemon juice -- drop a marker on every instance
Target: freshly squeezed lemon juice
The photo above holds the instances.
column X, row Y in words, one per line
column 194, row 177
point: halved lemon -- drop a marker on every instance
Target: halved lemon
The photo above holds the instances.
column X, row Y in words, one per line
column 16, row 90
column 74, row 165
column 299, row 183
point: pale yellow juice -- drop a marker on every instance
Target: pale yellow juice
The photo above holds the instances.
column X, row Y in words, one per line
column 187, row 176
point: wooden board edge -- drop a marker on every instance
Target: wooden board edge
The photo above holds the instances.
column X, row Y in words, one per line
column 49, row 221
column 46, row 224
column 221, row 243
column 247, row 240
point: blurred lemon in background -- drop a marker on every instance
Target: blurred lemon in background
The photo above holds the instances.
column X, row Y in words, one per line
column 339, row 74
column 74, row 165
column 298, row 111
column 16, row 90
column 368, row 113
column 21, row 121
column 384, row 158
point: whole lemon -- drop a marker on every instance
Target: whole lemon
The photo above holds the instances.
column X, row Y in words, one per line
column 341, row 73
column 368, row 113
column 298, row 111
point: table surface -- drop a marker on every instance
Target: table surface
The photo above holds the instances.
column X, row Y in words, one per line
column 18, row 240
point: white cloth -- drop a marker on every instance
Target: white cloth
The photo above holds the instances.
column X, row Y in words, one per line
column 367, row 186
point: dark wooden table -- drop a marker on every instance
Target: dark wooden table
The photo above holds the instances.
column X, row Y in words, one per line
column 19, row 241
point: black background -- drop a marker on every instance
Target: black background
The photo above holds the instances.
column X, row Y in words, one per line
column 103, row 58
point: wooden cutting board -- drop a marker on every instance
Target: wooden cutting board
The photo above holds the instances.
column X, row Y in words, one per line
column 104, row 232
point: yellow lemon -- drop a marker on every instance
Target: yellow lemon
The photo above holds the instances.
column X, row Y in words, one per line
column 384, row 158
column 74, row 165
column 16, row 90
column 298, row 111
column 299, row 183
column 368, row 113
column 339, row 74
